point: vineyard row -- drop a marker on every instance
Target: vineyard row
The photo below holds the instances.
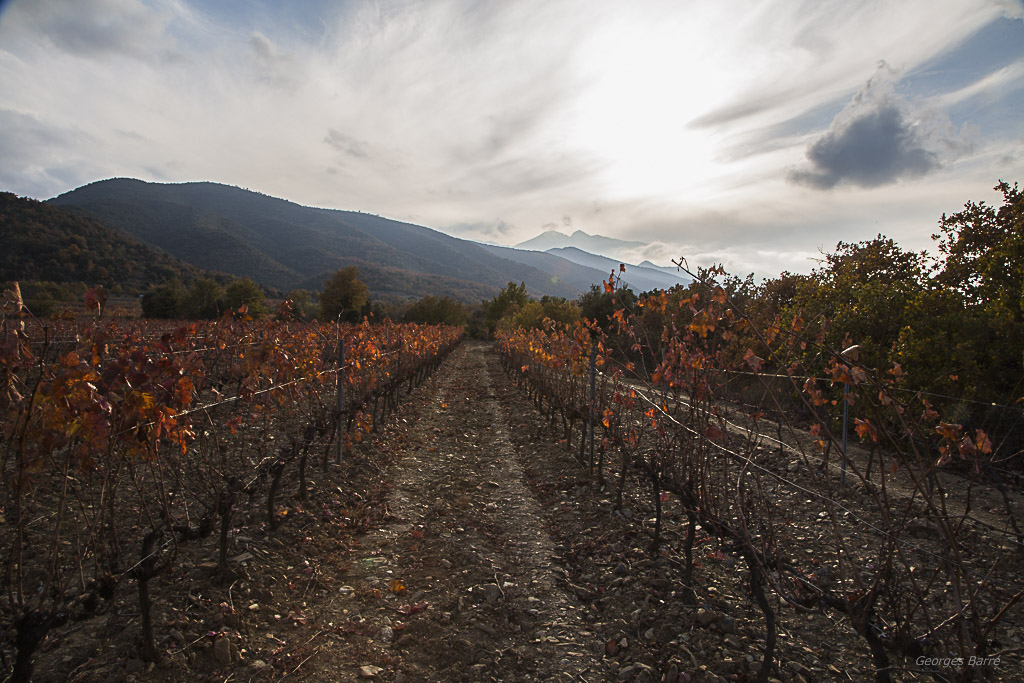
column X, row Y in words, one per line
column 123, row 442
column 897, row 553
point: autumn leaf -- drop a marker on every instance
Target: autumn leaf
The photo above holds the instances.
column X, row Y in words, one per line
column 753, row 360
column 92, row 299
column 982, row 442
column 865, row 429
column 948, row 431
column 414, row 608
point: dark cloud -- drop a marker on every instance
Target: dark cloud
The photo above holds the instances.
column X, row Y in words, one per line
column 346, row 144
column 567, row 220
column 875, row 148
column 880, row 138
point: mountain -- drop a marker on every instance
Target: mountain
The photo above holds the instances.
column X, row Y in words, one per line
column 580, row 240
column 285, row 245
column 665, row 269
column 47, row 243
column 637, row 278
column 574, row 274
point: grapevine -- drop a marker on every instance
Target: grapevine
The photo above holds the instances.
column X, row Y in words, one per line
column 911, row 568
column 123, row 440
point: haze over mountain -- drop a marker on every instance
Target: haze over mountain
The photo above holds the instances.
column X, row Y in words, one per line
column 596, row 244
column 283, row 245
column 637, row 278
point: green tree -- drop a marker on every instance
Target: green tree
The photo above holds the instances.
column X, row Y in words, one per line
column 204, row 299
column 437, row 310
column 302, row 304
column 964, row 334
column 862, row 291
column 560, row 309
column 165, row 300
column 245, row 292
column 599, row 305
column 344, row 294
column 508, row 301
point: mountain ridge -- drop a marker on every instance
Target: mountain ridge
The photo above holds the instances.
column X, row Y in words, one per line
column 597, row 244
column 284, row 245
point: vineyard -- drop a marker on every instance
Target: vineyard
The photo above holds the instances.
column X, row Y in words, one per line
column 921, row 564
column 317, row 501
column 123, row 443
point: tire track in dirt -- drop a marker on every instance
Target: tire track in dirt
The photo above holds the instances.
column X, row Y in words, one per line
column 467, row 542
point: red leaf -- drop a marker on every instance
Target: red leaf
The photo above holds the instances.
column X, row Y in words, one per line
column 414, row 608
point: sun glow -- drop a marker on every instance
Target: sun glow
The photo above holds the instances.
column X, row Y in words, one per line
column 645, row 86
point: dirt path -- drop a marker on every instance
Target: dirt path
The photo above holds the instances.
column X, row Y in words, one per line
column 465, row 573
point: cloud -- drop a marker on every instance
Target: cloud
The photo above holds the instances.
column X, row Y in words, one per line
column 496, row 229
column 32, row 150
column 1012, row 9
column 346, row 144
column 498, row 118
column 96, row 28
column 879, row 138
column 273, row 67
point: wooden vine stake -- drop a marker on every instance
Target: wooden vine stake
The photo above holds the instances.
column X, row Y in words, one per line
column 339, row 445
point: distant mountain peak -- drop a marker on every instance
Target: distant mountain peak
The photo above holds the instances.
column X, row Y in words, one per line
column 595, row 244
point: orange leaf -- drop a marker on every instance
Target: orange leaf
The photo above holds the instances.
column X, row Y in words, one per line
column 982, row 442
column 753, row 360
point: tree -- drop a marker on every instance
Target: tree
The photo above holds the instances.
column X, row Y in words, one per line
column 204, row 299
column 862, row 290
column 983, row 250
column 166, row 300
column 301, row 304
column 344, row 294
column 245, row 292
column 508, row 301
column 599, row 305
column 560, row 309
column 437, row 310
column 965, row 333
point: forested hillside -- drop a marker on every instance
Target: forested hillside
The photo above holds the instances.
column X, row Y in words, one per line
column 47, row 243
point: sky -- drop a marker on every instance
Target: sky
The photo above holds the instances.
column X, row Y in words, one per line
column 755, row 134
